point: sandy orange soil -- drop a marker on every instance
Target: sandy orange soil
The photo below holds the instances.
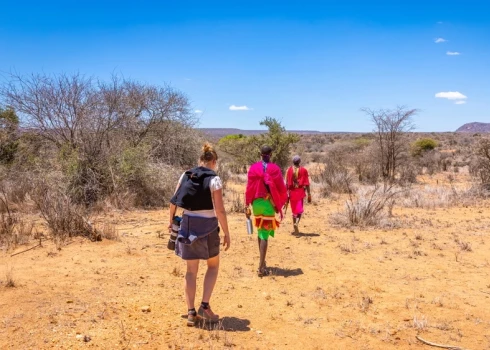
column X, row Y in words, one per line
column 330, row 288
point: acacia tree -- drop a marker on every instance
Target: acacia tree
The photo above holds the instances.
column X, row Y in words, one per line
column 280, row 141
column 96, row 125
column 482, row 167
column 246, row 149
column 9, row 124
column 390, row 128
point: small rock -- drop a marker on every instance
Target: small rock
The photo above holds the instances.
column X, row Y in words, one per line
column 240, row 306
column 145, row 308
column 69, row 301
column 259, row 332
column 86, row 338
column 79, row 336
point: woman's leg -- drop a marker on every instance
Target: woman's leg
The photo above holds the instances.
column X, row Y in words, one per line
column 210, row 278
column 190, row 282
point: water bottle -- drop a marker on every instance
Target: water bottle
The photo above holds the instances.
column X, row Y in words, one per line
column 250, row 228
column 174, row 233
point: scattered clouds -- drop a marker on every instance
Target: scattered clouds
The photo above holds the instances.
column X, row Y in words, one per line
column 440, row 40
column 451, row 95
column 455, row 96
column 453, row 53
column 239, row 108
column 198, row 111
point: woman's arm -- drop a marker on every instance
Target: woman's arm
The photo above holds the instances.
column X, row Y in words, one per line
column 173, row 207
column 219, row 208
column 172, row 211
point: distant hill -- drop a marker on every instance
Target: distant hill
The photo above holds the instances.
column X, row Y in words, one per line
column 221, row 132
column 474, row 127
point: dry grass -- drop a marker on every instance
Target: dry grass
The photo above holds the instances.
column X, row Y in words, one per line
column 236, row 203
column 9, row 278
column 8, row 223
column 420, row 323
column 371, row 206
column 64, row 218
column 333, row 178
column 109, row 231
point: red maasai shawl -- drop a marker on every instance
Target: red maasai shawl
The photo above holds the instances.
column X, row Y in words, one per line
column 257, row 179
column 301, row 181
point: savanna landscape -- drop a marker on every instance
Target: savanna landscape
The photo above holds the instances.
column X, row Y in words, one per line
column 392, row 252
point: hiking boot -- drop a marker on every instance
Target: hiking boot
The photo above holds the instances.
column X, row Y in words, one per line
column 191, row 319
column 207, row 315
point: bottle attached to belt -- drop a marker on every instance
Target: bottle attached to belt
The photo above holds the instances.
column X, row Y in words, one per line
column 174, row 233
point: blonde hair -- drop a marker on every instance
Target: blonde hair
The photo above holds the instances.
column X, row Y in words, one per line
column 208, row 153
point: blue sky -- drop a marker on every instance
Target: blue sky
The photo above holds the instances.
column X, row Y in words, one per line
column 310, row 64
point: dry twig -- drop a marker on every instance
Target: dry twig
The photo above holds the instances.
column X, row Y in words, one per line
column 37, row 245
column 439, row 345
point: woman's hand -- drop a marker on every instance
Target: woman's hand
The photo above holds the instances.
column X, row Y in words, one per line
column 226, row 241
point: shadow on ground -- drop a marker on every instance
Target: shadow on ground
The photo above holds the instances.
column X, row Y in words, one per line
column 231, row 324
column 279, row 271
column 301, row 234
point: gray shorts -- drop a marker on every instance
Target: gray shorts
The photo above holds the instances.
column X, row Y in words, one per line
column 202, row 248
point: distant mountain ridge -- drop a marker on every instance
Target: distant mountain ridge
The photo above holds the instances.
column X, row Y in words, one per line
column 474, row 127
column 221, row 132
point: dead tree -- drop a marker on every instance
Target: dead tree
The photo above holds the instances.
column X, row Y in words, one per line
column 390, row 127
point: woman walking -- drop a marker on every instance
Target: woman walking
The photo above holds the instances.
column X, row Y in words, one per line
column 199, row 193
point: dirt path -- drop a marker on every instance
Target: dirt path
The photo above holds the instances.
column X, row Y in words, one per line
column 331, row 288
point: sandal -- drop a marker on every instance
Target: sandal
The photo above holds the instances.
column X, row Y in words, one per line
column 263, row 272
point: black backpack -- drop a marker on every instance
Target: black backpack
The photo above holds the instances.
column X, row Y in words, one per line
column 194, row 192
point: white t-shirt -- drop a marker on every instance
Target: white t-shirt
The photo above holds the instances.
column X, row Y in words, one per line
column 214, row 184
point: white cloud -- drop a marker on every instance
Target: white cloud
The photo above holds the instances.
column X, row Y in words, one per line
column 460, row 102
column 239, row 108
column 198, row 111
column 453, row 53
column 440, row 40
column 451, row 95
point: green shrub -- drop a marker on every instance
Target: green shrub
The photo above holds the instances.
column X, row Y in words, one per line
column 423, row 145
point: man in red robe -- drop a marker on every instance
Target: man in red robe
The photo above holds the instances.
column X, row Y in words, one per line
column 298, row 184
column 267, row 194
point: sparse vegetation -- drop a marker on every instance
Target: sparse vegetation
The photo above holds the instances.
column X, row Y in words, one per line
column 79, row 193
column 369, row 207
column 9, row 278
column 423, row 145
column 246, row 149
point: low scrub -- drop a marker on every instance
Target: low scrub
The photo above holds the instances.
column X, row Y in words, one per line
column 236, row 202
column 64, row 218
column 368, row 207
column 333, row 178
